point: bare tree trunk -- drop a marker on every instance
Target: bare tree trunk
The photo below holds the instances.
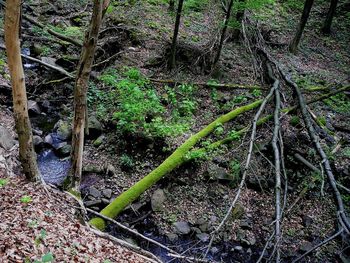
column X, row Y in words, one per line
column 20, row 105
column 223, row 33
column 172, row 59
column 171, row 5
column 80, row 97
column 326, row 29
column 304, row 17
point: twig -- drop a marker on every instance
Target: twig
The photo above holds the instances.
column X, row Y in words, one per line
column 249, row 156
column 324, row 242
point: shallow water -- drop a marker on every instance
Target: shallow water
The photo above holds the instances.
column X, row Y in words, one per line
column 52, row 168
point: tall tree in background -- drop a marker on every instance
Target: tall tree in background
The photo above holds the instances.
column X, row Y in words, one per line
column 172, row 59
column 293, row 47
column 171, row 5
column 20, row 105
column 326, row 29
column 223, row 33
column 239, row 18
column 80, row 96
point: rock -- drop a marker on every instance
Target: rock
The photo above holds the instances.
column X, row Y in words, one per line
column 93, row 202
column 95, row 127
column 237, row 212
column 246, row 224
column 33, row 108
column 63, row 130
column 107, row 193
column 99, row 140
column 6, row 140
column 65, row 150
column 37, row 132
column 172, row 237
column 221, row 161
column 238, row 248
column 216, row 172
column 111, row 170
column 37, row 141
column 157, row 200
column 307, row 220
column 48, row 139
column 46, row 105
column 182, row 227
column 95, row 192
column 131, row 241
column 306, row 246
column 50, row 61
column 214, row 250
column 196, row 230
column 204, row 237
column 105, row 201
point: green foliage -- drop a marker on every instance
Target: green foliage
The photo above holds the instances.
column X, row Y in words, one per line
column 256, row 93
column 294, row 121
column 70, row 31
column 339, row 103
column 38, row 239
column 126, row 161
column 195, row 5
column 48, row 257
column 3, row 182
column 219, row 130
column 139, row 108
column 234, row 135
column 346, row 152
column 235, row 168
column 25, row 199
column 296, row 5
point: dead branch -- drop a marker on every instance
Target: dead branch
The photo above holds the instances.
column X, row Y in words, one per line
column 245, row 171
column 324, row 242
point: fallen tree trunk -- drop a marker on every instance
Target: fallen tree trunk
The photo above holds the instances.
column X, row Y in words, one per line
column 173, row 161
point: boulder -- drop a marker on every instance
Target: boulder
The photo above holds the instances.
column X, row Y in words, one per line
column 33, row 108
column 63, row 130
column 95, row 127
column 6, row 140
column 48, row 139
column 182, row 227
column 157, row 200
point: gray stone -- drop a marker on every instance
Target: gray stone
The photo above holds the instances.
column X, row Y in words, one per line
column 307, row 220
column 107, row 193
column 33, row 108
column 48, row 139
column 204, row 237
column 196, row 230
column 37, row 140
column 182, row 227
column 157, row 200
column 37, row 132
column 172, row 237
column 111, row 170
column 105, row 201
column 95, row 127
column 63, row 129
column 95, row 192
column 6, row 140
column 93, row 202
column 216, row 172
column 64, row 151
column 306, row 246
column 248, row 241
column 99, row 141
column 50, row 61
column 238, row 248
column 221, row 161
column 246, row 224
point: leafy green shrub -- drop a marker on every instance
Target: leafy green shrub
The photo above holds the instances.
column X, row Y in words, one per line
column 294, row 121
column 339, row 103
column 195, row 5
column 126, row 161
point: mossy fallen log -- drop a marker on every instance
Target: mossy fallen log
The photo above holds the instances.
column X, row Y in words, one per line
column 173, row 161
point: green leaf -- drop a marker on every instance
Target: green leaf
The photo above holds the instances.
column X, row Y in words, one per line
column 3, row 182
column 26, row 199
column 48, row 257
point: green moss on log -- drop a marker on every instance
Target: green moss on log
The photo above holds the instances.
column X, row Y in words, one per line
column 173, row 161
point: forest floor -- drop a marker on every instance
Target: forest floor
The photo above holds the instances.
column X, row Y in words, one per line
column 198, row 193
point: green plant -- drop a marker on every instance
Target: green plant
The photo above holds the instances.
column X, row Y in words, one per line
column 219, row 129
column 42, row 235
column 48, row 257
column 195, row 5
column 126, row 161
column 294, row 121
column 256, row 93
column 235, row 169
column 26, row 199
column 3, row 182
column 339, row 103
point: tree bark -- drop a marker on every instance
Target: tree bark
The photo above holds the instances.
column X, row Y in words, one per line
column 20, row 105
column 293, row 47
column 223, row 33
column 173, row 161
column 73, row 180
column 326, row 29
column 172, row 59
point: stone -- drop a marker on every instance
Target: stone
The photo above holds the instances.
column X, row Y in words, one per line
column 99, row 141
column 63, row 130
column 111, row 170
column 306, row 246
column 50, row 61
column 307, row 220
column 33, row 108
column 182, row 227
column 246, row 224
column 221, row 161
column 6, row 140
column 196, row 230
column 37, row 132
column 216, row 172
column 64, row 151
column 92, row 203
column 172, row 237
column 95, row 192
column 48, row 139
column 238, row 248
column 204, row 237
column 157, row 200
column 95, row 127
column 107, row 193
column 105, row 201
column 214, row 250
column 37, row 141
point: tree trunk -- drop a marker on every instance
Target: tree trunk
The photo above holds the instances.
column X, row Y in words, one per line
column 20, row 105
column 172, row 59
column 223, row 33
column 174, row 160
column 171, row 5
column 239, row 18
column 293, row 47
column 326, row 29
column 80, row 97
